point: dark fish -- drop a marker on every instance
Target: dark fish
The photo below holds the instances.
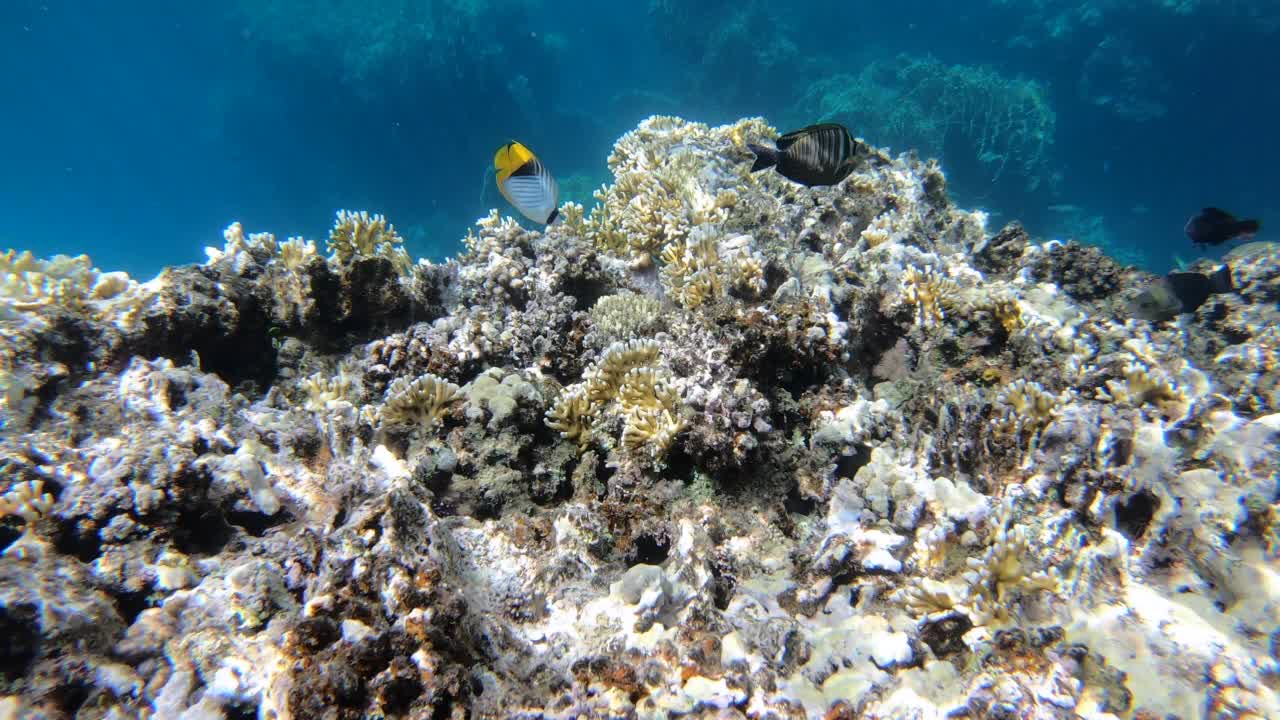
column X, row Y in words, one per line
column 1181, row 292
column 1214, row 226
column 1193, row 288
column 816, row 155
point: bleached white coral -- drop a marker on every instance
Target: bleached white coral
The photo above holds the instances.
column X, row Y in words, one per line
column 26, row 500
column 325, row 392
column 29, row 284
column 626, row 315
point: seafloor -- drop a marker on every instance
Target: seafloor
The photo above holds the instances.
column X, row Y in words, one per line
column 723, row 446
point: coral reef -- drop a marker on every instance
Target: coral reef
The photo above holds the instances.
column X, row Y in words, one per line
column 718, row 446
column 919, row 101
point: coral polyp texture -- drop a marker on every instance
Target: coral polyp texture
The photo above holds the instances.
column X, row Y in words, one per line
column 719, row 446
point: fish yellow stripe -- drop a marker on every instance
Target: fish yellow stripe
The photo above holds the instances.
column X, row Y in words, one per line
column 510, row 158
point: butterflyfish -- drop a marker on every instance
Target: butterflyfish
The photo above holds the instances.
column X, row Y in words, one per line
column 526, row 183
column 814, row 155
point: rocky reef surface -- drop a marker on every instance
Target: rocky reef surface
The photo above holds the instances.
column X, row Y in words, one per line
column 722, row 446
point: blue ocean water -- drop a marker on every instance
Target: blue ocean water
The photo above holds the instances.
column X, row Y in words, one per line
column 135, row 131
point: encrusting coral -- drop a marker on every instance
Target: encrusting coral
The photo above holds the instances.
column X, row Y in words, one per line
column 721, row 445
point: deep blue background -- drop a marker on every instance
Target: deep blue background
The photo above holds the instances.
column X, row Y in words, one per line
column 135, row 131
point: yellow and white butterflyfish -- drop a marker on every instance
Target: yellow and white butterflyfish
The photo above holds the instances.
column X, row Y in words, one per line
column 526, row 183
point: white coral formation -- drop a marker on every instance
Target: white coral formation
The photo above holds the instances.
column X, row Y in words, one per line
column 322, row 392
column 626, row 315
column 26, row 500
column 359, row 235
column 420, row 402
column 29, row 285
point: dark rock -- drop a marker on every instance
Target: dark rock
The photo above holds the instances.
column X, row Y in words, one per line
column 1083, row 272
column 1000, row 253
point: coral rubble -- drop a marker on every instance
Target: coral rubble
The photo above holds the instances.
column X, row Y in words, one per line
column 719, row 446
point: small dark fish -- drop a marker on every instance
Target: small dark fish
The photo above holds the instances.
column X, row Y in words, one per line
column 1214, row 226
column 1181, row 292
column 815, row 155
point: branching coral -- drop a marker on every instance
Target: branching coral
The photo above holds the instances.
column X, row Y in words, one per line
column 1008, row 313
column 626, row 384
column 323, row 393
column 651, row 410
column 931, row 293
column 26, row 500
column 658, row 196
column 885, row 227
column 296, row 253
column 987, row 590
column 571, row 416
column 689, row 272
column 604, row 378
column 29, row 284
column 1026, row 408
column 626, row 315
column 285, row 263
column 1142, row 385
column 421, row 402
column 359, row 235
column 705, row 266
